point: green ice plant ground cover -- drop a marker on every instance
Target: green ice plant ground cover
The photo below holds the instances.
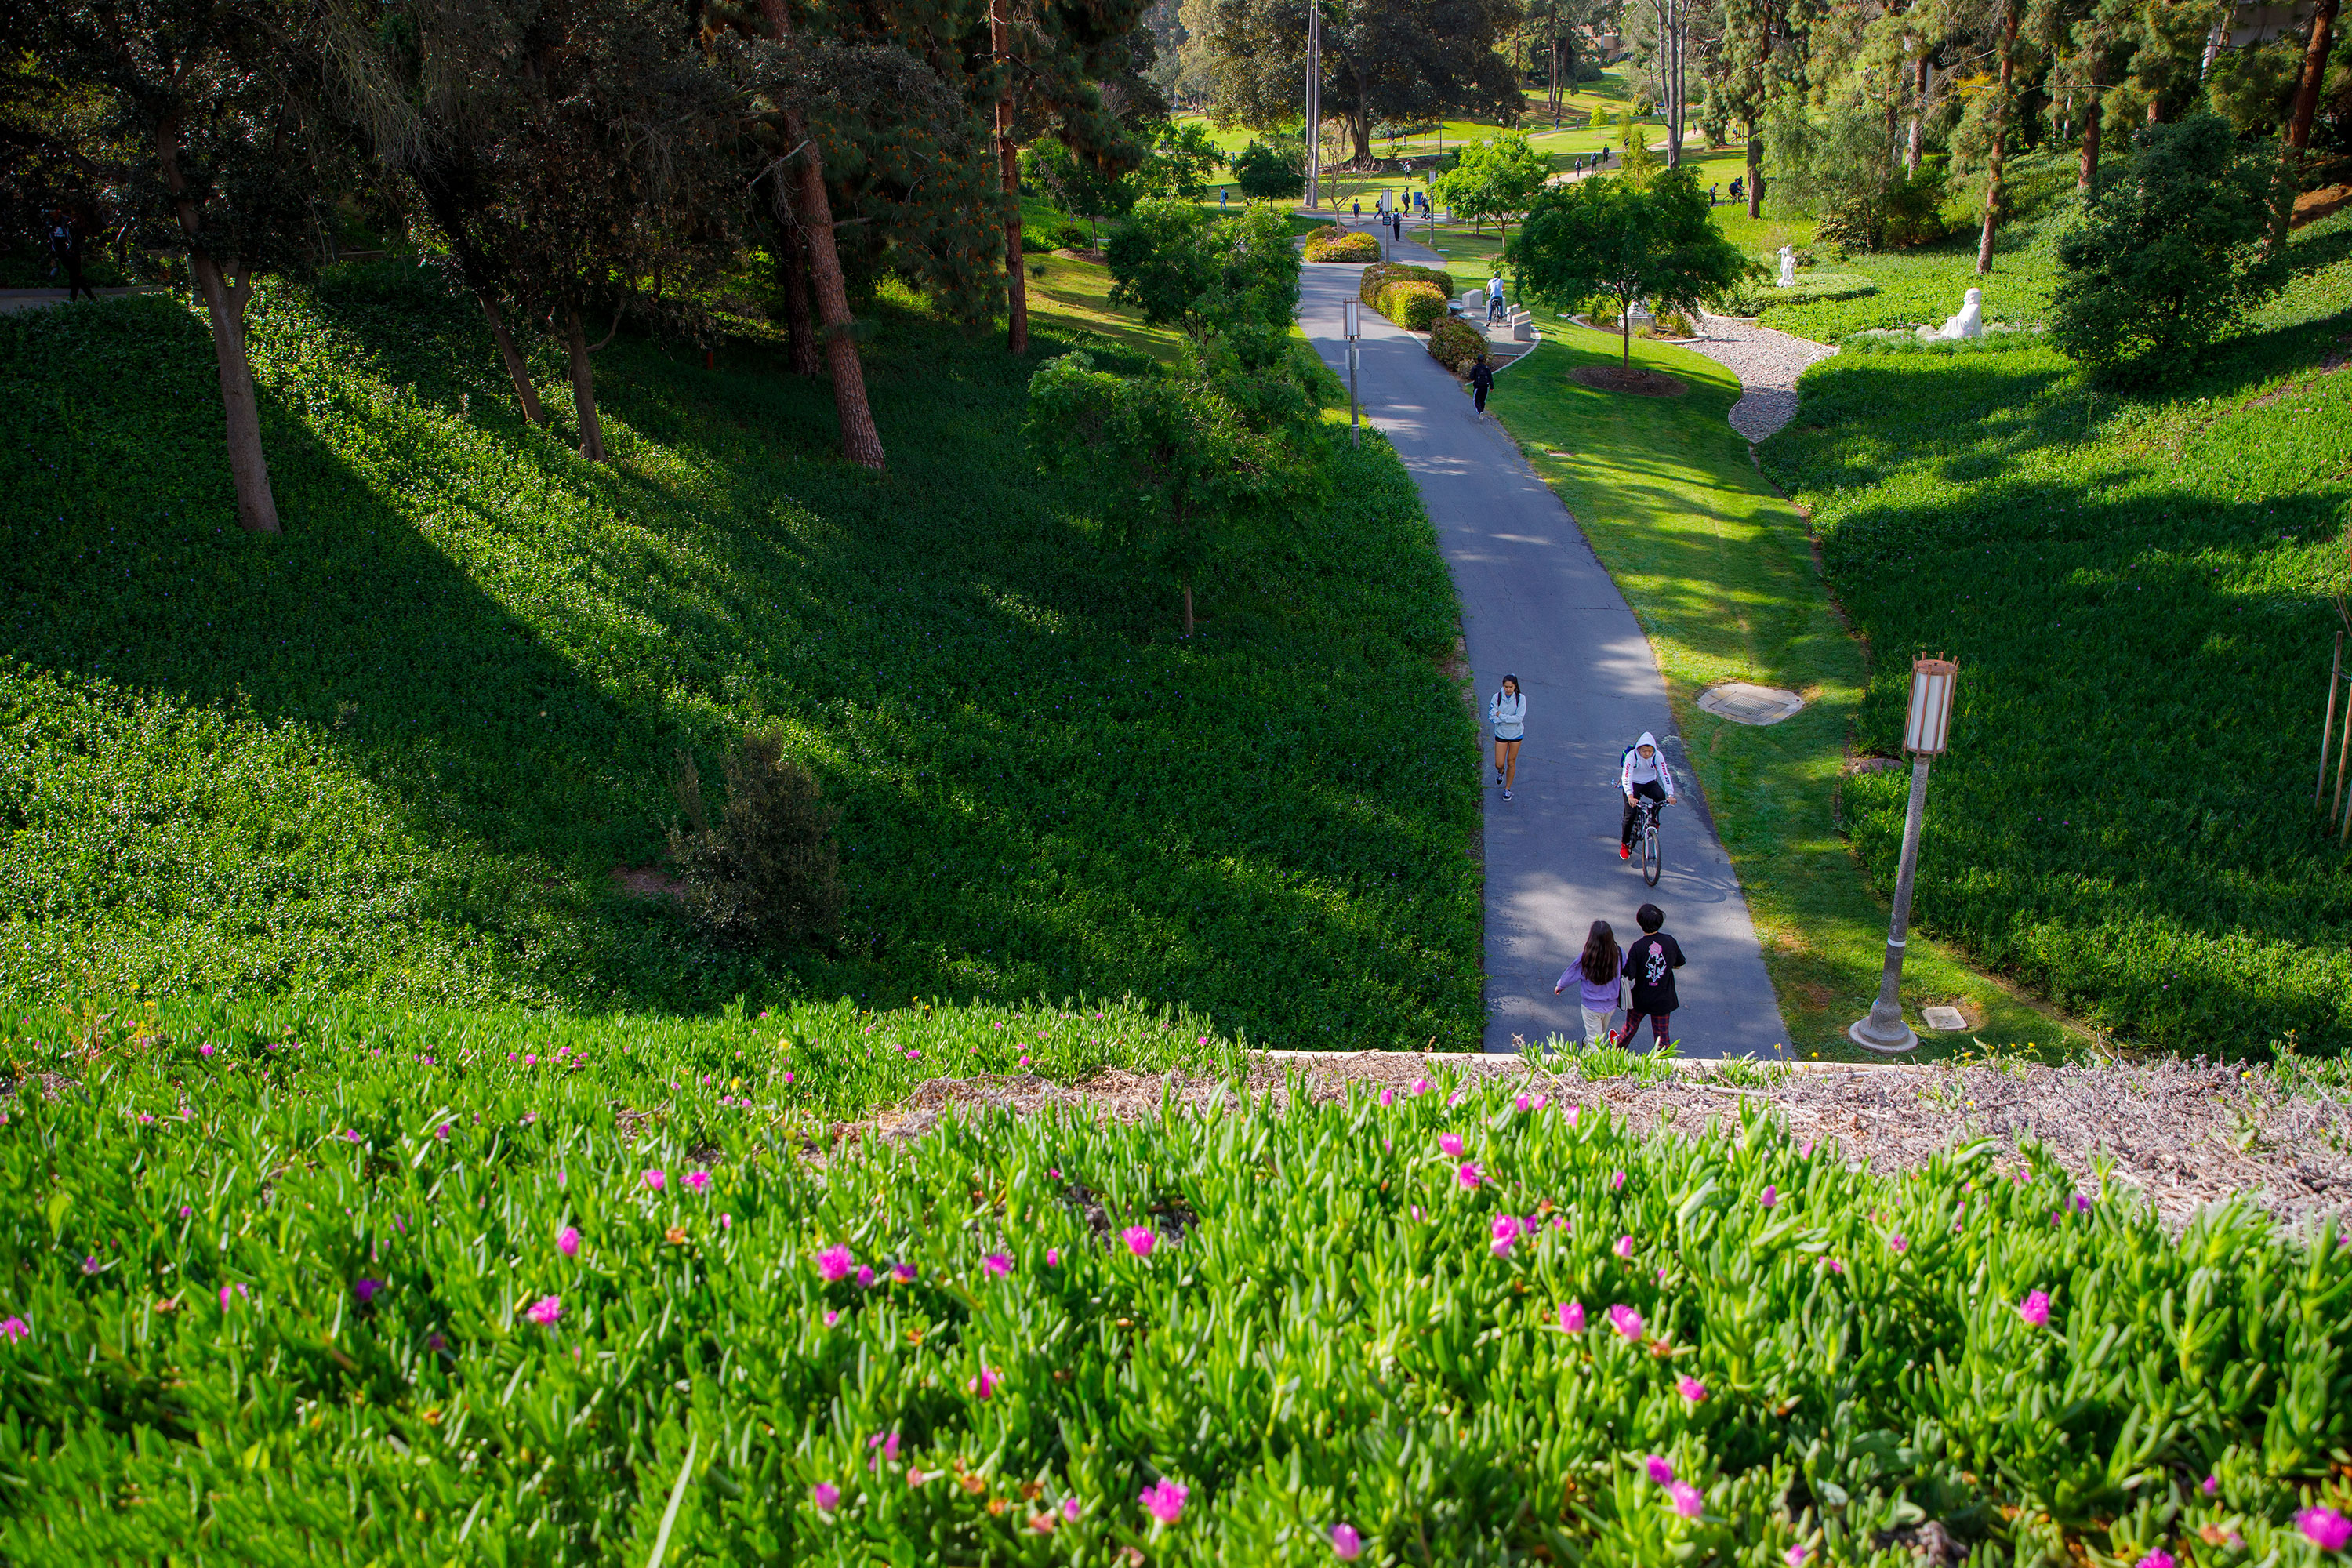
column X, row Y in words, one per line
column 398, row 752
column 2137, row 591
column 319, row 1303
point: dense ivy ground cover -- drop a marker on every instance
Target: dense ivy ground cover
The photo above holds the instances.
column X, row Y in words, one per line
column 2137, row 593
column 336, row 1301
column 400, row 751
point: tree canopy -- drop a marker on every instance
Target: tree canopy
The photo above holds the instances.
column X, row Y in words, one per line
column 1493, row 180
column 1606, row 236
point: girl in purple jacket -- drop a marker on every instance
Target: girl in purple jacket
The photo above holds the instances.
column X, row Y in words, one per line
column 1596, row 982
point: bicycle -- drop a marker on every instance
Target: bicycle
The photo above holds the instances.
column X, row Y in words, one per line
column 1645, row 836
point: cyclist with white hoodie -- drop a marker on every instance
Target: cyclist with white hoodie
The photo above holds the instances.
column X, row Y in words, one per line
column 1642, row 774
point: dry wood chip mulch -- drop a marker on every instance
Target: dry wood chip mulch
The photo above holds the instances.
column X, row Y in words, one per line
column 2182, row 1134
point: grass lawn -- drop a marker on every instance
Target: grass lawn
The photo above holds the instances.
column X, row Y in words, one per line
column 2139, row 592
column 1720, row 571
column 399, row 752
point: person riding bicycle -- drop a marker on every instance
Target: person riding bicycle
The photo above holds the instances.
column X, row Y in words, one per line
column 1642, row 774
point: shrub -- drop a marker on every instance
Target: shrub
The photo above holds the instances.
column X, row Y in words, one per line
column 2168, row 255
column 1753, row 296
column 1455, row 342
column 1368, row 290
column 1672, row 325
column 1336, row 244
column 1267, row 173
column 1412, row 305
column 768, row 875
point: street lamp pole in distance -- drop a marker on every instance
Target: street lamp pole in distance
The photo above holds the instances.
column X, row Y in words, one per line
column 1355, row 437
column 1313, row 104
column 1926, row 728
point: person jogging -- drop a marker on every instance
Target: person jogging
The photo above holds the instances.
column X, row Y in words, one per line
column 1598, row 978
column 1642, row 774
column 1650, row 965
column 1482, row 382
column 1507, row 713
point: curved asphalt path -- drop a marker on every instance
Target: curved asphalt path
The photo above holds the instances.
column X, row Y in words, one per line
column 1537, row 603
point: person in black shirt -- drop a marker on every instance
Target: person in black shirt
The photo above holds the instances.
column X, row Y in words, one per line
column 1650, row 965
column 1482, row 382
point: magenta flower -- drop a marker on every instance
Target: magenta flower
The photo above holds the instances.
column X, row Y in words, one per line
column 1805, row 1149
column 2035, row 1308
column 1690, row 1388
column 1572, row 1316
column 834, row 1262
column 1052, row 1257
column 2083, row 1206
column 1468, row 1176
column 1450, row 1143
column 1505, row 1230
column 985, row 1383
column 226, row 1292
column 2211, row 1484
column 1795, row 1557
column 1070, row 1508
column 365, row 1289
column 1616, row 1180
column 996, row 1263
column 866, row 1277
column 903, row 1273
column 1520, row 1103
column 442, row 1132
column 545, row 1311
column 1165, row 1502
column 726, row 1221
column 91, row 1265
column 831, row 1318
column 1573, row 1112
column 2156, row 1560
column 1661, row 1470
column 1769, row 1196
column 1421, row 1086
column 436, row 1342
column 656, row 1180
column 205, row 1049
column 697, row 1180
column 1624, row 1248
column 1688, row 1501
column 890, row 1447
column 13, row 1329
column 567, row 1241
column 1837, row 1265
column 1899, row 1242
column 1626, row 1321
column 1388, row 1095
column 353, row 1135
column 1140, row 1239
column 826, row 1496
column 2325, row 1528
column 1346, row 1544
column 1024, row 1061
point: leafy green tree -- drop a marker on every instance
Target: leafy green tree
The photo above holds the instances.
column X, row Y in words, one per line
column 1400, row 61
column 2166, row 256
column 1178, row 162
column 1609, row 236
column 1184, row 461
column 1077, row 185
column 1493, row 180
column 1267, row 173
column 1231, row 279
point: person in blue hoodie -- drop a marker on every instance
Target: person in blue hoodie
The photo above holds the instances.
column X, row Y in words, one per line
column 1508, row 714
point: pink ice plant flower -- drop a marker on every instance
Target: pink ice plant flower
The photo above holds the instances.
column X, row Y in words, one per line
column 985, row 1383
column 866, row 1277
column 656, row 1180
column 831, row 1318
column 1795, row 1557
column 1623, row 1247
column 2325, row 1528
column 1506, row 1231
column 1451, row 1143
column 365, row 1289
column 1070, row 1508
column 1469, row 1175
column 1662, row 1470
column 1626, row 1321
column 1346, row 1544
column 996, row 1263
column 1421, row 1086
column 834, row 1262
column 13, row 1329
column 567, row 1241
column 1052, row 1257
column 903, row 1273
column 1687, row 1499
column 1769, row 1196
column 1165, row 1502
column 1388, row 1096
column 826, row 1496
column 2156, row 1560
column 1899, row 1242
column 1572, row 1316
column 1616, row 1180
column 697, row 1180
column 2035, row 1308
column 1139, row 1241
column 545, row 1311
column 204, row 1050
column 1520, row 1103
column 1690, row 1388
column 2211, row 1484
column 353, row 1135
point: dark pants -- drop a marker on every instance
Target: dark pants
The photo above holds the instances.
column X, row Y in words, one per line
column 1658, row 1023
column 1478, row 397
column 1651, row 791
column 1494, row 310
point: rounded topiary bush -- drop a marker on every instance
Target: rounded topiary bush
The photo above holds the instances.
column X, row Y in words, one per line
column 1455, row 343
column 1336, row 244
column 1385, row 272
column 1413, row 305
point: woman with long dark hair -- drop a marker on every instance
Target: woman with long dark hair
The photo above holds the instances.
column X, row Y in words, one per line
column 1597, row 982
column 1507, row 713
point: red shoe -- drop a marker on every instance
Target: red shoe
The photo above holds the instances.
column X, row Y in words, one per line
column 1623, row 853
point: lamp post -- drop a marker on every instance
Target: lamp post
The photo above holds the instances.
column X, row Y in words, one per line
column 1924, row 730
column 1313, row 104
column 1355, row 437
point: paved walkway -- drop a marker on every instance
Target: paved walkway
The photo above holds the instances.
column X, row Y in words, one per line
column 33, row 298
column 1537, row 603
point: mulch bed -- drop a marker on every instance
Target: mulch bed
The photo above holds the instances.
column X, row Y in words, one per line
column 1639, row 383
column 2180, row 1134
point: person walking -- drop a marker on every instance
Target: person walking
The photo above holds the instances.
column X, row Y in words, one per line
column 1650, row 965
column 65, row 250
column 1360, row 209
column 1710, row 195
column 1600, row 978
column 1482, row 382
column 1221, row 199
column 1506, row 712
column 1642, row 774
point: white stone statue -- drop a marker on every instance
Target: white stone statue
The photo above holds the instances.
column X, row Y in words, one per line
column 1970, row 322
column 1788, row 265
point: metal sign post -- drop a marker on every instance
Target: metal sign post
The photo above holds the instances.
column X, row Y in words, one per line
column 1925, row 731
column 1355, row 436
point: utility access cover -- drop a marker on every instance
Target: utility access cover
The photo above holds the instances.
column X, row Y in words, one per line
column 1945, row 1020
column 1745, row 704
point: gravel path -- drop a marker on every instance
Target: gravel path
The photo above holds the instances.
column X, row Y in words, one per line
column 1767, row 363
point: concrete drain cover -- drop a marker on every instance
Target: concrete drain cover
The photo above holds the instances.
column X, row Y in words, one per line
column 1945, row 1020
column 1745, row 704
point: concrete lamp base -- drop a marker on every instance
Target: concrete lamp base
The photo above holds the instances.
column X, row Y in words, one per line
column 1868, row 1034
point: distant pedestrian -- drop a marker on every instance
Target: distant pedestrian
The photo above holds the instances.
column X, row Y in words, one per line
column 65, row 250
column 1494, row 300
column 1507, row 711
column 1360, row 209
column 1396, row 225
column 1650, row 965
column 1482, row 382
column 1600, row 980
column 1221, row 199
column 1710, row 195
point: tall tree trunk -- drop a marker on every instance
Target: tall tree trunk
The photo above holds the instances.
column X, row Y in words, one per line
column 2298, row 125
column 584, row 387
column 1017, row 281
column 517, row 371
column 792, row 257
column 1188, row 607
column 257, row 508
column 1625, row 336
column 2087, row 176
column 1999, row 140
column 861, row 443
column 1918, row 120
column 1755, row 173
